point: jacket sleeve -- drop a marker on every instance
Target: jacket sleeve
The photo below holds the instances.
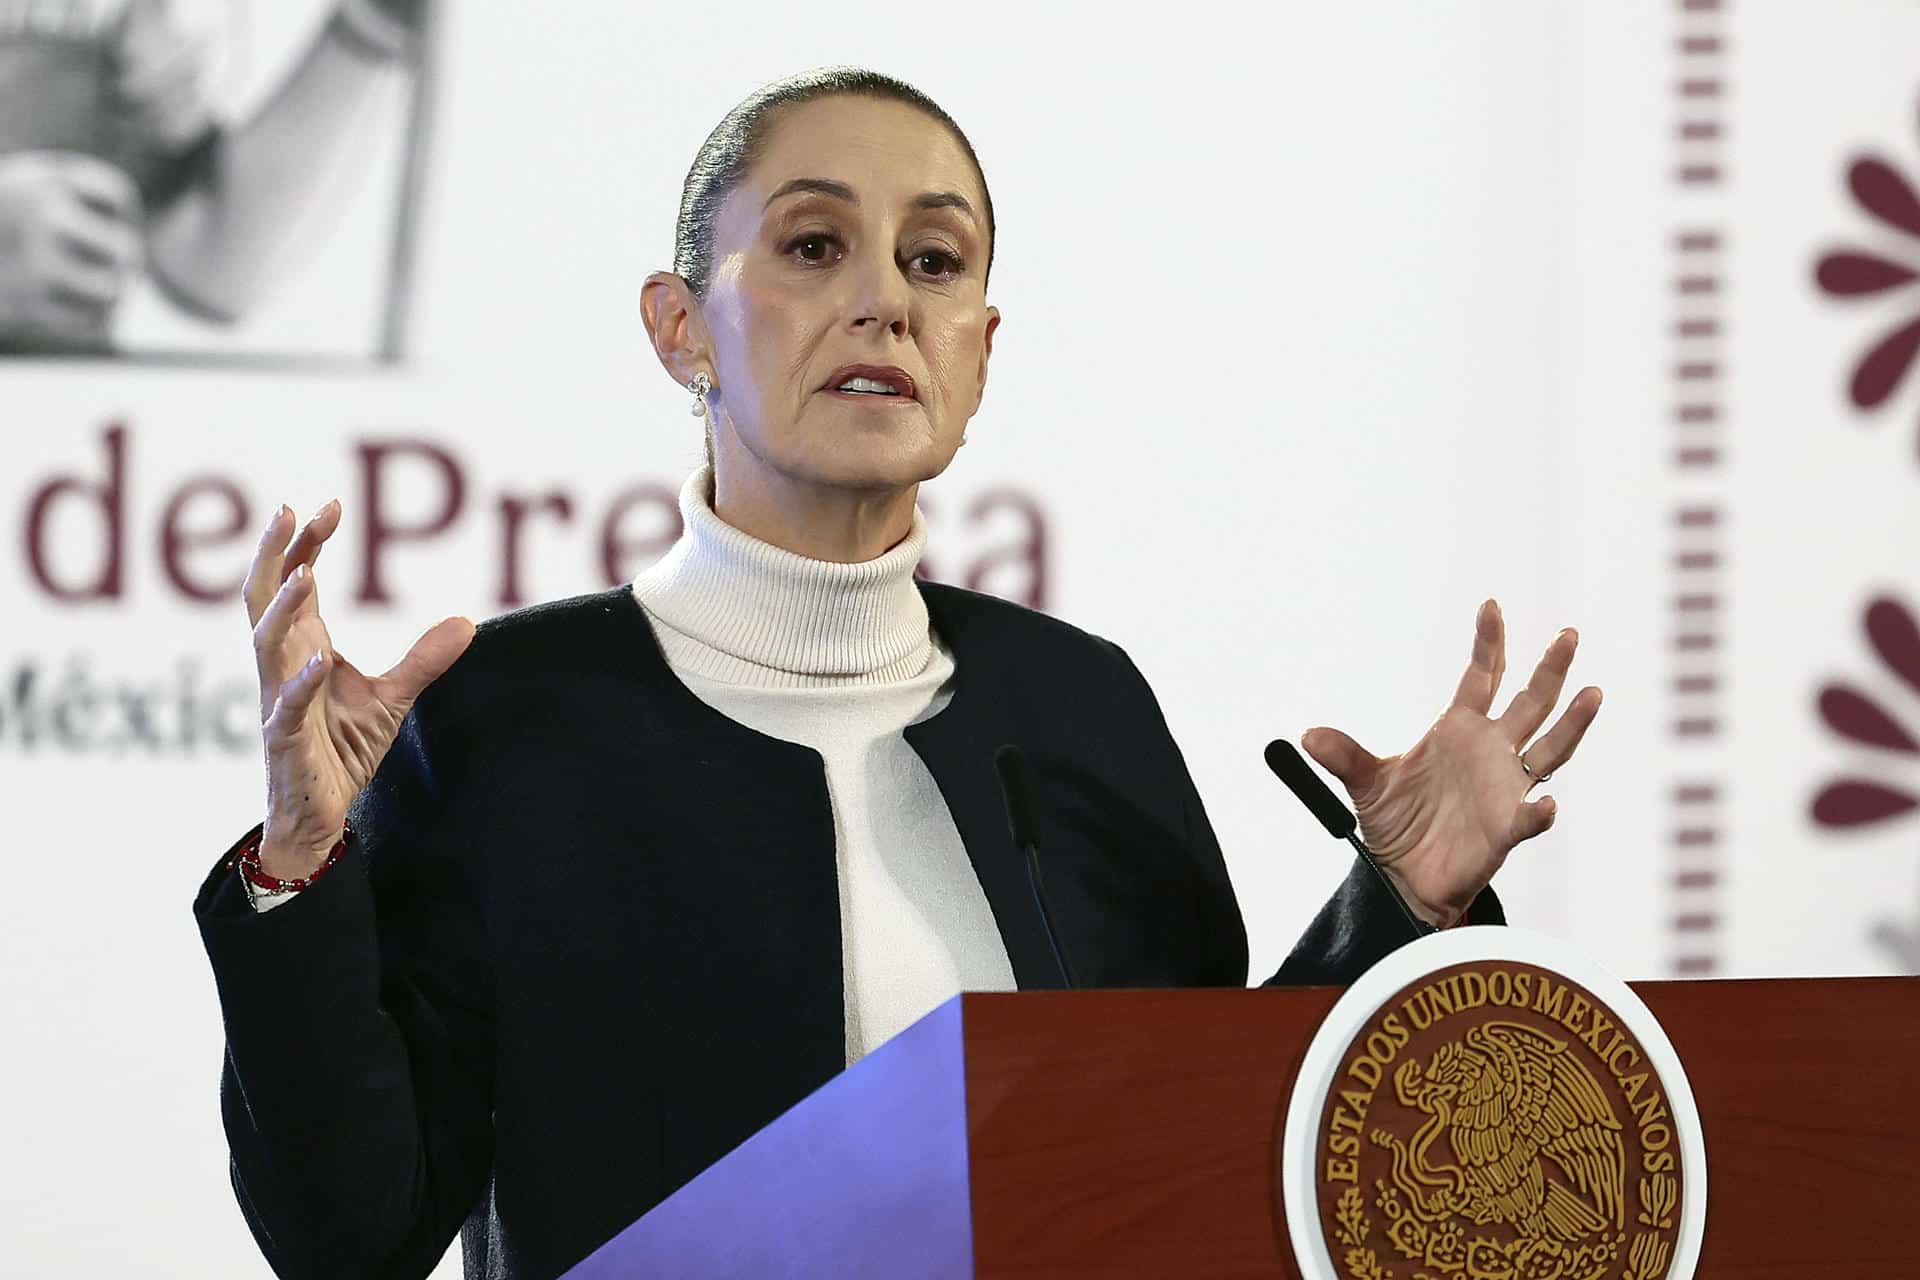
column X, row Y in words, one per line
column 1358, row 926
column 357, row 1086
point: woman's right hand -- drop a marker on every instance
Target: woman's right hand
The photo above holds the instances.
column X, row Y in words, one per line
column 327, row 726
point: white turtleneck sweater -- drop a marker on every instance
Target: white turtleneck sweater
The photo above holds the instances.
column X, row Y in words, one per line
column 839, row 658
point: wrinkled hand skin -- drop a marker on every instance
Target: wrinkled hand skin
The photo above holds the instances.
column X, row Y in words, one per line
column 325, row 724
column 1442, row 817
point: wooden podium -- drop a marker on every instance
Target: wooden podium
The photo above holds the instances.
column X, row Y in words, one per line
column 1136, row 1133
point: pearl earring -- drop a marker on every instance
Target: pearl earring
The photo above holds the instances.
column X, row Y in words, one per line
column 701, row 385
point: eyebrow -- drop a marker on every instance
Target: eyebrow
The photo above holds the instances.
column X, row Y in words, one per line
column 841, row 191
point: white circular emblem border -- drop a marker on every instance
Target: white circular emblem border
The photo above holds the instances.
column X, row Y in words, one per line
column 1299, row 1165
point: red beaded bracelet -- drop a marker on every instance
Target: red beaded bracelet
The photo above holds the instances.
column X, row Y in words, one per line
column 247, row 859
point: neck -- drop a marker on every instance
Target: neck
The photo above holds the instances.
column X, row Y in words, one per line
column 820, row 522
column 733, row 608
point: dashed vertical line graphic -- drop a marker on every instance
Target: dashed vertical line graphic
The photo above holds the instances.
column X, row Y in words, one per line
column 1696, row 449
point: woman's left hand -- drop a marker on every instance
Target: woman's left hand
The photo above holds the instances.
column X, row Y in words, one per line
column 1441, row 818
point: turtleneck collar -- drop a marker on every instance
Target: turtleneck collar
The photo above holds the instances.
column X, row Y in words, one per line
column 743, row 611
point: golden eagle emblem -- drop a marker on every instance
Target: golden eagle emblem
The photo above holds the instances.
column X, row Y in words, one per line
column 1534, row 1142
column 1494, row 1121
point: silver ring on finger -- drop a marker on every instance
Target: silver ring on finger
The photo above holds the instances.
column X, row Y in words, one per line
column 1538, row 778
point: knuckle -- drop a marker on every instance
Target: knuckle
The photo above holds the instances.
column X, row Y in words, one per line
column 282, row 734
column 281, row 721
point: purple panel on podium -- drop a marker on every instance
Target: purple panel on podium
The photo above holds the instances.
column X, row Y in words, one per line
column 866, row 1177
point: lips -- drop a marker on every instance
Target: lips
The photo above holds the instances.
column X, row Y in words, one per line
column 892, row 375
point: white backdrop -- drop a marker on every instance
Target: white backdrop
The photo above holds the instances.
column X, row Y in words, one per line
column 1321, row 324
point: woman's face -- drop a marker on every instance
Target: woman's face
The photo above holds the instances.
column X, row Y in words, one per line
column 858, row 238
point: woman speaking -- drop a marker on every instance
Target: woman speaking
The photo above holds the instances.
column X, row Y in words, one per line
column 551, row 916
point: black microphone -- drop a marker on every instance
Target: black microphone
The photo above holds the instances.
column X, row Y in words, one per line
column 1292, row 768
column 1016, row 789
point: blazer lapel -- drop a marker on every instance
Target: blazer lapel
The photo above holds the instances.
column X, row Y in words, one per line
column 957, row 746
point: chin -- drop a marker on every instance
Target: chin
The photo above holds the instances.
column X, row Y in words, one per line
column 874, row 464
column 845, row 457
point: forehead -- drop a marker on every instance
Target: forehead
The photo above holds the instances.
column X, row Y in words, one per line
column 882, row 149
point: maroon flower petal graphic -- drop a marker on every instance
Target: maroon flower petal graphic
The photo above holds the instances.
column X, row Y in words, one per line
column 1852, row 803
column 1895, row 636
column 1848, row 274
column 1880, row 370
column 1853, row 715
column 1881, row 190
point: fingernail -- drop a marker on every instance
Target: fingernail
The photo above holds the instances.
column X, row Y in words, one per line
column 300, row 571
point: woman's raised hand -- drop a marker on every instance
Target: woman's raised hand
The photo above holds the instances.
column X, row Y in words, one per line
column 326, row 725
column 1441, row 818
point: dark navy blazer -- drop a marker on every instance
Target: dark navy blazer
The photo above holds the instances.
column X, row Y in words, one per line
column 587, row 939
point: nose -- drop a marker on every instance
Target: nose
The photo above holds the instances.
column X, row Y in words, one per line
column 882, row 299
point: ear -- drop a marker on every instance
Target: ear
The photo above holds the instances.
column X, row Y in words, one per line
column 986, row 351
column 675, row 326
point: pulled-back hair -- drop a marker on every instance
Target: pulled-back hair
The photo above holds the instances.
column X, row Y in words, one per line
column 736, row 142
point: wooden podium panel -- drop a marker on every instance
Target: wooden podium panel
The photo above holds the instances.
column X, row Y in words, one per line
column 1132, row 1129
column 1809, row 1092
column 1136, row 1133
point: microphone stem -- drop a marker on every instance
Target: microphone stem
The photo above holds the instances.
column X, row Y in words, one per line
column 1420, row 927
column 1046, row 918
